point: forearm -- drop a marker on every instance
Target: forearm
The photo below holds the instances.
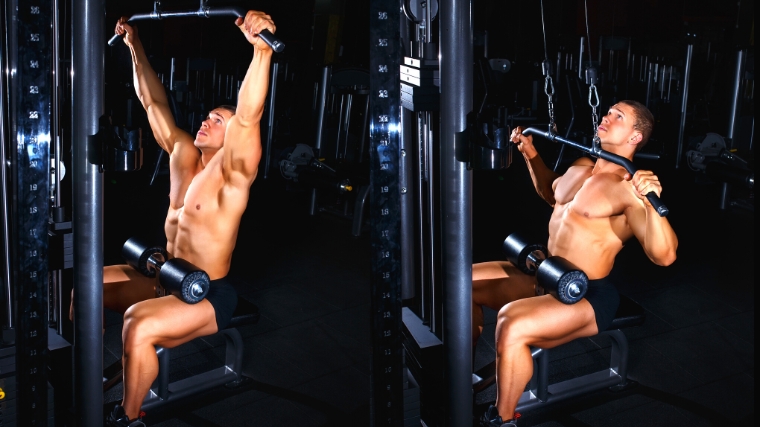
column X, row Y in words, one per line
column 541, row 175
column 148, row 87
column 254, row 88
column 660, row 241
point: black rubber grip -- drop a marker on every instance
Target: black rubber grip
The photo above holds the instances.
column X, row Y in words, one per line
column 272, row 41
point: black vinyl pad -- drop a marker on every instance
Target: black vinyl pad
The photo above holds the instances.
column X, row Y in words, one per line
column 628, row 314
column 246, row 313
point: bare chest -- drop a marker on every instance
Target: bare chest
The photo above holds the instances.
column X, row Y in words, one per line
column 197, row 190
column 592, row 196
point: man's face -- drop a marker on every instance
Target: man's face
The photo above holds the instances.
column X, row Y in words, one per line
column 617, row 126
column 211, row 133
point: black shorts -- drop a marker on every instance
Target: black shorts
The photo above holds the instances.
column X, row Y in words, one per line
column 223, row 298
column 604, row 299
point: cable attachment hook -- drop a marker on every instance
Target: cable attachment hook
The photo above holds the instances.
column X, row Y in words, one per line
column 157, row 9
column 204, row 8
column 593, row 102
column 549, row 91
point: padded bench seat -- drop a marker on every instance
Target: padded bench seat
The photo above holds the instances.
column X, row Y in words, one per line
column 246, row 313
column 540, row 393
column 628, row 314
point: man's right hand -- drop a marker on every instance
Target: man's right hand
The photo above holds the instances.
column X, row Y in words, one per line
column 129, row 32
column 524, row 143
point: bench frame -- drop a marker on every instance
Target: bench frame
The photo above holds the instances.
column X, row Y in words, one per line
column 541, row 393
column 231, row 374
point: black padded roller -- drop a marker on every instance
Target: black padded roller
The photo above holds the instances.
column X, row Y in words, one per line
column 518, row 252
column 184, row 280
column 136, row 253
column 562, row 279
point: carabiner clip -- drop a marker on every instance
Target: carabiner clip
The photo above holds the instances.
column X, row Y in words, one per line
column 549, row 83
column 593, row 93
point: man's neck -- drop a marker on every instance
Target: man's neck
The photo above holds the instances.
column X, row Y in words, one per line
column 206, row 156
column 622, row 150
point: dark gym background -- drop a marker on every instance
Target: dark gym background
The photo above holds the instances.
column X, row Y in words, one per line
column 309, row 355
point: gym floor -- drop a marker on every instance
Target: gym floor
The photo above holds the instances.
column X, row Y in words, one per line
column 309, row 355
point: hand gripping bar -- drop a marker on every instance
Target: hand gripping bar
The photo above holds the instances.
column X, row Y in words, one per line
column 662, row 210
column 204, row 12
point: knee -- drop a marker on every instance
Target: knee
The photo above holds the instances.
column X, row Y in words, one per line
column 139, row 328
column 509, row 328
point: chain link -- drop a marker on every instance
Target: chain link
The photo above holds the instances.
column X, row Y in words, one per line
column 549, row 91
column 593, row 102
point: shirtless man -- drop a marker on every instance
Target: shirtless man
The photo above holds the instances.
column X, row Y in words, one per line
column 597, row 206
column 211, row 174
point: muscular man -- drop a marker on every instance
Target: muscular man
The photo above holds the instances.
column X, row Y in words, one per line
column 211, row 174
column 597, row 207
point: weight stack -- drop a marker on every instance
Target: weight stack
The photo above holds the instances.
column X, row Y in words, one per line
column 412, row 404
column 423, row 352
column 8, row 386
column 420, row 83
column 8, row 410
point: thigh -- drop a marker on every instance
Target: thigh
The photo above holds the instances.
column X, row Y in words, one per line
column 124, row 286
column 497, row 283
column 546, row 323
column 169, row 322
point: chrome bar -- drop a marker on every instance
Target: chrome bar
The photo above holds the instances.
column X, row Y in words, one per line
column 8, row 320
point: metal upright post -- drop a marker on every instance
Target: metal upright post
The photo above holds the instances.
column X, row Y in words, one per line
column 320, row 106
column 649, row 84
column 270, row 117
column 407, row 191
column 684, row 102
column 736, row 100
column 8, row 319
column 456, row 208
column 407, row 184
column 88, row 56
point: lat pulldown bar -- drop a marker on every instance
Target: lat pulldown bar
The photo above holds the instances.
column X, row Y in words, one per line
column 662, row 210
column 203, row 12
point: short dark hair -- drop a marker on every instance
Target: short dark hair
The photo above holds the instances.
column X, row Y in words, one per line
column 644, row 122
column 231, row 108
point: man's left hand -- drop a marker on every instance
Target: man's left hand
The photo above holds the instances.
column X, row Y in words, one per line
column 254, row 23
column 644, row 182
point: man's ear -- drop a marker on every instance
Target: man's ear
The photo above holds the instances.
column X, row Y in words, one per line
column 636, row 138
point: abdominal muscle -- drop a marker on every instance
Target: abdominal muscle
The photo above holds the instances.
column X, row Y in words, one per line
column 204, row 236
column 589, row 243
